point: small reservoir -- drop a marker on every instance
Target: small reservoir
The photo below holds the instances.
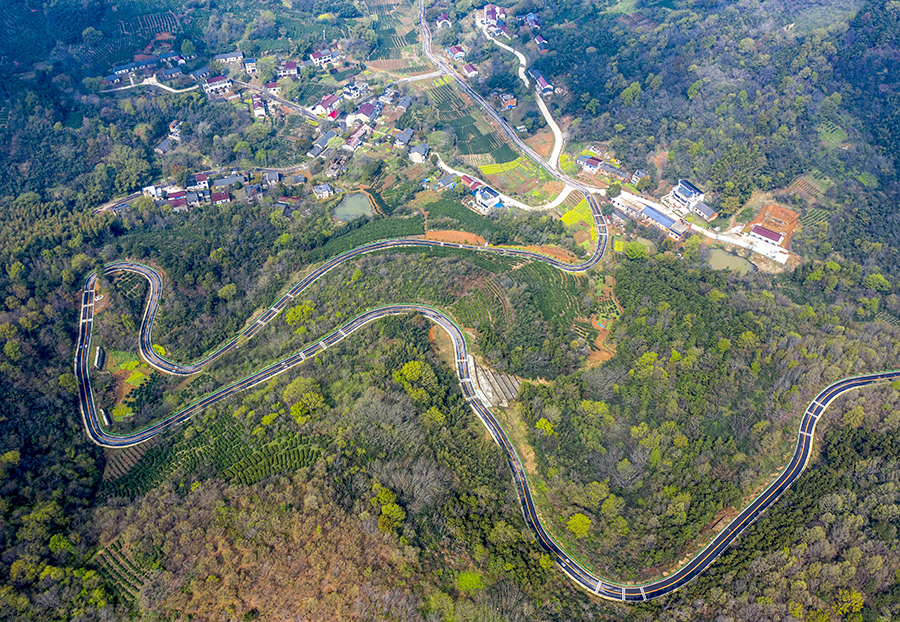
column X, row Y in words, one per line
column 353, row 206
column 723, row 260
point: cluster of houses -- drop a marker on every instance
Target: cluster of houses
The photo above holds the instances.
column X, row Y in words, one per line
column 214, row 85
column 485, row 197
column 630, row 207
column 687, row 196
column 360, row 123
column 200, row 188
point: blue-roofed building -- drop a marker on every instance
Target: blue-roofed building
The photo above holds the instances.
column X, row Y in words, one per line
column 660, row 219
column 686, row 194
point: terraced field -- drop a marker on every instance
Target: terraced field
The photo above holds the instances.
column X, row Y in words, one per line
column 126, row 576
column 221, row 446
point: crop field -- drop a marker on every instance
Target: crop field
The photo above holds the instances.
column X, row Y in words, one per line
column 376, row 230
column 452, row 111
column 831, row 135
column 479, row 308
column 288, row 453
column 126, row 575
column 464, row 218
column 310, row 93
column 580, row 219
column 220, row 445
column 606, row 307
column 300, row 29
column 520, row 176
column 813, row 216
column 555, row 293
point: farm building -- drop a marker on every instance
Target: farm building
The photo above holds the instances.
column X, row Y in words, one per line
column 704, row 211
column 759, row 232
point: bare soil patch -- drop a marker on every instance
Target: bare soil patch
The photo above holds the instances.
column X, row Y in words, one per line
column 553, row 251
column 780, row 219
column 542, row 143
column 457, row 237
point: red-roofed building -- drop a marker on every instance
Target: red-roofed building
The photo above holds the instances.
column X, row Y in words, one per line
column 766, row 235
column 321, row 58
column 217, row 84
column 328, row 105
column 470, row 70
column 456, row 53
column 494, row 14
column 443, row 21
column 218, row 198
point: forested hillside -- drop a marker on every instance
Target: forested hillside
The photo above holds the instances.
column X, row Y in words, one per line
column 360, row 485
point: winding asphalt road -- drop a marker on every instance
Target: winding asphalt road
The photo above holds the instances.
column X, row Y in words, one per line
column 578, row 573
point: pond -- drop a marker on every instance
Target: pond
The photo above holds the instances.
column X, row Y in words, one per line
column 353, row 206
column 723, row 260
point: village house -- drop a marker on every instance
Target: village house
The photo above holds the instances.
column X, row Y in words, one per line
column 509, row 101
column 357, row 137
column 543, row 86
column 758, row 232
column 471, row 183
column 388, row 97
column 419, row 153
column 674, row 229
column 323, row 191
column 532, row 21
column 272, row 88
column 337, row 166
column 250, row 66
column 448, row 182
column 198, row 181
column 355, row 90
column 638, row 175
column 231, row 180
column 443, row 21
column 217, row 84
column 258, row 106
column 286, row 69
column 328, row 105
column 404, row 137
column 366, row 113
column 704, row 211
column 588, row 164
column 488, row 198
column 542, row 43
column 321, row 57
column 218, row 198
column 201, row 73
column 113, row 79
column 470, row 71
column 494, row 15
column 456, row 52
column 168, row 74
column 404, row 103
column 613, row 172
column 271, row 178
column 321, row 144
column 165, row 146
column 231, row 58
column 686, row 194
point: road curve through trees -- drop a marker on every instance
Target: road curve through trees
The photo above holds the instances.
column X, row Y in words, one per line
column 578, row 573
